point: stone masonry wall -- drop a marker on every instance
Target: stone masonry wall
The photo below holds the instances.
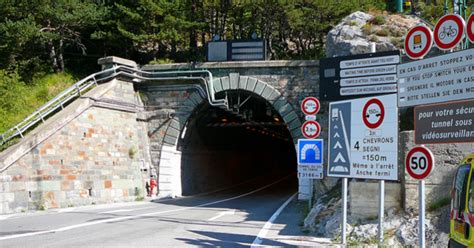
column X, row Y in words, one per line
column 93, row 158
column 293, row 80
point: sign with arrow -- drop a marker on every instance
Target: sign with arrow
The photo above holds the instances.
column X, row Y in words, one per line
column 363, row 138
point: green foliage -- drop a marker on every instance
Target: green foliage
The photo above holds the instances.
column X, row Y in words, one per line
column 19, row 99
column 378, row 20
column 430, row 12
column 439, row 204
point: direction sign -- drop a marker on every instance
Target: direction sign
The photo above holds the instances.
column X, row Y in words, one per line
column 311, row 129
column 310, row 158
column 360, row 75
column 451, row 122
column 470, row 28
column 419, row 162
column 439, row 79
column 310, row 106
column 449, row 31
column 363, row 138
column 418, row 42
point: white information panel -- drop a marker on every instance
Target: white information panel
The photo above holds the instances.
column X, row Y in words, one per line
column 369, row 126
column 439, row 79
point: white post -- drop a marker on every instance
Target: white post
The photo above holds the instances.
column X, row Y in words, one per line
column 381, row 209
column 421, row 213
column 344, row 209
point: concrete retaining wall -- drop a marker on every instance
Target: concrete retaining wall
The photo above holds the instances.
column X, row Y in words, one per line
column 364, row 198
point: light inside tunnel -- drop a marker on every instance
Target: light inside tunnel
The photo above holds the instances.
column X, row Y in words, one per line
column 223, row 147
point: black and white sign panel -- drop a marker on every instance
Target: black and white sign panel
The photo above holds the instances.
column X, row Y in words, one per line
column 357, row 76
column 363, row 138
column 439, row 79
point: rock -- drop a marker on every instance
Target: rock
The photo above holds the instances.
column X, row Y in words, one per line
column 355, row 33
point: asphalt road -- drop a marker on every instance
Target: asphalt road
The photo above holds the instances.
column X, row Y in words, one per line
column 233, row 217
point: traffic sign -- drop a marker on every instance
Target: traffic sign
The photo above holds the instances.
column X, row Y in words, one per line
column 311, row 129
column 362, row 146
column 349, row 77
column 419, row 162
column 310, row 105
column 418, row 42
column 310, row 158
column 451, row 122
column 438, row 79
column 373, row 113
column 470, row 28
column 339, row 138
column 310, row 151
column 449, row 31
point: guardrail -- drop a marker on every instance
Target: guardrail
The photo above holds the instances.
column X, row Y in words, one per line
column 83, row 85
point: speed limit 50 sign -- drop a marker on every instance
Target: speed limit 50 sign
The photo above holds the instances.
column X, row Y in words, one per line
column 419, row 162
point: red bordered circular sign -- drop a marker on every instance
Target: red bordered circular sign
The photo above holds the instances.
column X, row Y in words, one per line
column 449, row 31
column 418, row 42
column 470, row 28
column 310, row 105
column 373, row 113
column 311, row 129
column 419, row 162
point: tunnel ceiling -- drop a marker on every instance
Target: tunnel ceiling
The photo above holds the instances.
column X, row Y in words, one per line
column 250, row 117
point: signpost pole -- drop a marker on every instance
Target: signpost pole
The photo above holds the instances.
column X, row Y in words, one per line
column 381, row 209
column 421, row 221
column 344, row 209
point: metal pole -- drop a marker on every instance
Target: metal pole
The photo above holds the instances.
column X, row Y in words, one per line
column 421, row 221
column 310, row 202
column 381, row 209
column 344, row 209
column 399, row 6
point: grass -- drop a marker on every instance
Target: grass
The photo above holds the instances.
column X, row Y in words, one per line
column 439, row 204
column 20, row 99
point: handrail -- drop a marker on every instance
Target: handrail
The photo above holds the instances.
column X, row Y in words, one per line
column 94, row 79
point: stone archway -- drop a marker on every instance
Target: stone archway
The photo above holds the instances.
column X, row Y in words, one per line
column 169, row 176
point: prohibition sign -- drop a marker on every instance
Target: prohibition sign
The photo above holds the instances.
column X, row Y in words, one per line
column 418, row 42
column 311, row 129
column 448, row 31
column 310, row 106
column 373, row 113
column 470, row 28
column 419, row 162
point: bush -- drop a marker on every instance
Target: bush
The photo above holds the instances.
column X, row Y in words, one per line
column 20, row 100
column 378, row 20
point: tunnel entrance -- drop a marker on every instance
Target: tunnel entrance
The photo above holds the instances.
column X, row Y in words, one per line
column 221, row 148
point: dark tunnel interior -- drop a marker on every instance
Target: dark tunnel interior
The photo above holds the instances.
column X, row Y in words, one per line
column 221, row 148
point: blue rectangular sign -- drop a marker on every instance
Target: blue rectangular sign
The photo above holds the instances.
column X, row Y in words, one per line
column 310, row 151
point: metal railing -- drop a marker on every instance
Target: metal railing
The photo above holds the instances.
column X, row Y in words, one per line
column 85, row 84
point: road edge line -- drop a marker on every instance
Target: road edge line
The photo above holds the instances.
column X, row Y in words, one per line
column 263, row 232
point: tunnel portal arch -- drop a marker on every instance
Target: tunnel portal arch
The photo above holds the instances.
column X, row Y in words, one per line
column 169, row 172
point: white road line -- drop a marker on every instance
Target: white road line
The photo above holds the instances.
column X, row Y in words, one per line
column 125, row 210
column 230, row 212
column 263, row 232
column 92, row 223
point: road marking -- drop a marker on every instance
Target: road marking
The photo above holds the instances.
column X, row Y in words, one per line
column 125, row 210
column 230, row 212
column 92, row 223
column 263, row 232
